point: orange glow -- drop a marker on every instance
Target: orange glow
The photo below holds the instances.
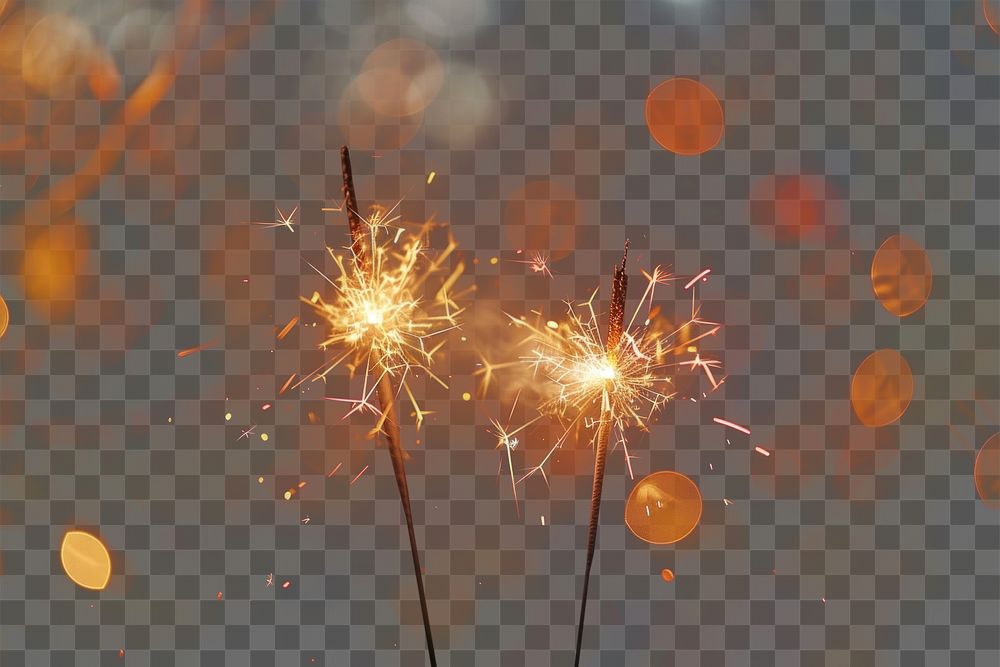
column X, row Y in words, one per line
column 663, row 508
column 51, row 265
column 991, row 13
column 882, row 388
column 400, row 78
column 987, row 472
column 667, row 575
column 364, row 128
column 541, row 217
column 4, row 316
column 684, row 116
column 85, row 560
column 794, row 207
column 901, row 275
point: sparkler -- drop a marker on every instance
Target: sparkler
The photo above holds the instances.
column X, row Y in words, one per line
column 623, row 377
column 378, row 316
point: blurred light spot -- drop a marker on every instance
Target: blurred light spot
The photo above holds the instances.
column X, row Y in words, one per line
column 542, row 217
column 466, row 396
column 364, row 128
column 793, row 207
column 663, row 508
column 901, row 275
column 85, row 560
column 400, row 78
column 447, row 18
column 264, row 437
column 987, row 472
column 667, row 574
column 229, row 415
column 465, row 106
column 4, row 316
column 882, row 388
column 55, row 53
column 684, row 116
column 991, row 12
column 51, row 265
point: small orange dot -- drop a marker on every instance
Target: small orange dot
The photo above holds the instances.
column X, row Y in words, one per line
column 494, row 260
column 667, row 574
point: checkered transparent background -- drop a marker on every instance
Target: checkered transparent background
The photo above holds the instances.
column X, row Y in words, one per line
column 896, row 103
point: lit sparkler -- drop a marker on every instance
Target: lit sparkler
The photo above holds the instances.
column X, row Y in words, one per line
column 611, row 383
column 382, row 323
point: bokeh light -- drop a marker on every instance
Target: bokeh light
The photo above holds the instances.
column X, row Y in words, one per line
column 667, row 575
column 987, row 472
column 85, row 560
column 991, row 12
column 57, row 50
column 448, row 18
column 901, row 275
column 400, row 78
column 464, row 107
column 51, row 264
column 4, row 316
column 366, row 129
column 541, row 217
column 663, row 508
column 684, row 116
column 794, row 207
column 882, row 388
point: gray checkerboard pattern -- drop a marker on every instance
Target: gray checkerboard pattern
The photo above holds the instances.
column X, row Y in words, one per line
column 848, row 546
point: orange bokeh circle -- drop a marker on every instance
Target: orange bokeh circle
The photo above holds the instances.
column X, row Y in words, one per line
column 400, row 78
column 901, row 275
column 881, row 388
column 684, row 116
column 663, row 508
column 364, row 128
column 542, row 217
column 992, row 14
column 987, row 472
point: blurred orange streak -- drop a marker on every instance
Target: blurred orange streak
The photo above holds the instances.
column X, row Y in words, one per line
column 881, row 388
column 684, row 116
column 901, row 275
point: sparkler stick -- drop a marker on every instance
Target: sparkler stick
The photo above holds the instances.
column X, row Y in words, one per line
column 387, row 399
column 616, row 322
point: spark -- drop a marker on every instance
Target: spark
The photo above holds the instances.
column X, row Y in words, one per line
column 430, row 177
column 335, row 469
column 306, row 520
column 246, row 433
column 265, row 407
column 382, row 318
column 539, row 263
column 508, row 441
column 726, row 422
column 286, row 584
column 282, row 220
column 761, row 450
column 191, row 350
column 543, row 519
column 288, row 382
column 727, row 502
column 356, row 477
column 335, row 209
column 694, row 281
column 629, row 383
column 288, row 327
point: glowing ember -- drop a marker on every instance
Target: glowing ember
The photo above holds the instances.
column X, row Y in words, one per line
column 729, row 424
column 663, row 508
column 667, row 575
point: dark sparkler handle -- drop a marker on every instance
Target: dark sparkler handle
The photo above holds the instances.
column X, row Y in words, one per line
column 600, row 459
column 391, row 428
